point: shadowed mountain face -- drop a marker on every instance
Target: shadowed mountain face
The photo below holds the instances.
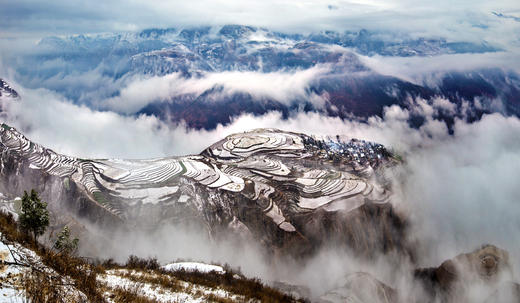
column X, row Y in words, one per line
column 452, row 280
column 7, row 94
column 482, row 275
column 6, row 91
column 292, row 192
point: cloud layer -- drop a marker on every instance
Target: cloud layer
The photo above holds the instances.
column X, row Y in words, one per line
column 429, row 70
column 440, row 17
column 459, row 190
column 284, row 87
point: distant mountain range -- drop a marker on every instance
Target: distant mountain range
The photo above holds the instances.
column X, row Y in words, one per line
column 89, row 69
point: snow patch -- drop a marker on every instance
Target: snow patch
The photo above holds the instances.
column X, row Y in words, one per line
column 193, row 266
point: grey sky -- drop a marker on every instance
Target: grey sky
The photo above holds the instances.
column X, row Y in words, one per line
column 33, row 18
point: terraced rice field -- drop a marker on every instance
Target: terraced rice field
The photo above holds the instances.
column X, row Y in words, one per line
column 259, row 165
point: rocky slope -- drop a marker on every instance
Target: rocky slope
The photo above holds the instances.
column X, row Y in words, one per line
column 483, row 275
column 29, row 272
column 6, row 91
column 22, row 272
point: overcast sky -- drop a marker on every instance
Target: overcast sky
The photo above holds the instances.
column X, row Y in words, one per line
column 33, row 18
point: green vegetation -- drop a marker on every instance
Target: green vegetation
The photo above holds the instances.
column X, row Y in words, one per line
column 66, row 183
column 34, row 215
column 44, row 286
column 100, row 198
column 64, row 244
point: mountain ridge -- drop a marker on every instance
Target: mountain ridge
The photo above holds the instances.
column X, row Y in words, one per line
column 197, row 71
column 267, row 183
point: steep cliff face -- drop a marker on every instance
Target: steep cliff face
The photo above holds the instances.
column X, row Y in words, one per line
column 292, row 192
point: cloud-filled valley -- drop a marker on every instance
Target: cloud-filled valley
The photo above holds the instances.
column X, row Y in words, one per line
column 458, row 189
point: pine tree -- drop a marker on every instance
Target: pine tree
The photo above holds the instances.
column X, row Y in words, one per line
column 34, row 216
column 64, row 244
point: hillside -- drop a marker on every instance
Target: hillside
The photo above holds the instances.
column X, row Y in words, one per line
column 31, row 272
column 288, row 189
column 291, row 193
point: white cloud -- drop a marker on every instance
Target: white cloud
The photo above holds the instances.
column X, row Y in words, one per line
column 463, row 191
column 429, row 70
column 460, row 190
column 55, row 122
column 448, row 18
column 444, row 105
column 283, row 86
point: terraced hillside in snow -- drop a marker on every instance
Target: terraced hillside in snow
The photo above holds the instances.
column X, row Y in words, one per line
column 286, row 188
